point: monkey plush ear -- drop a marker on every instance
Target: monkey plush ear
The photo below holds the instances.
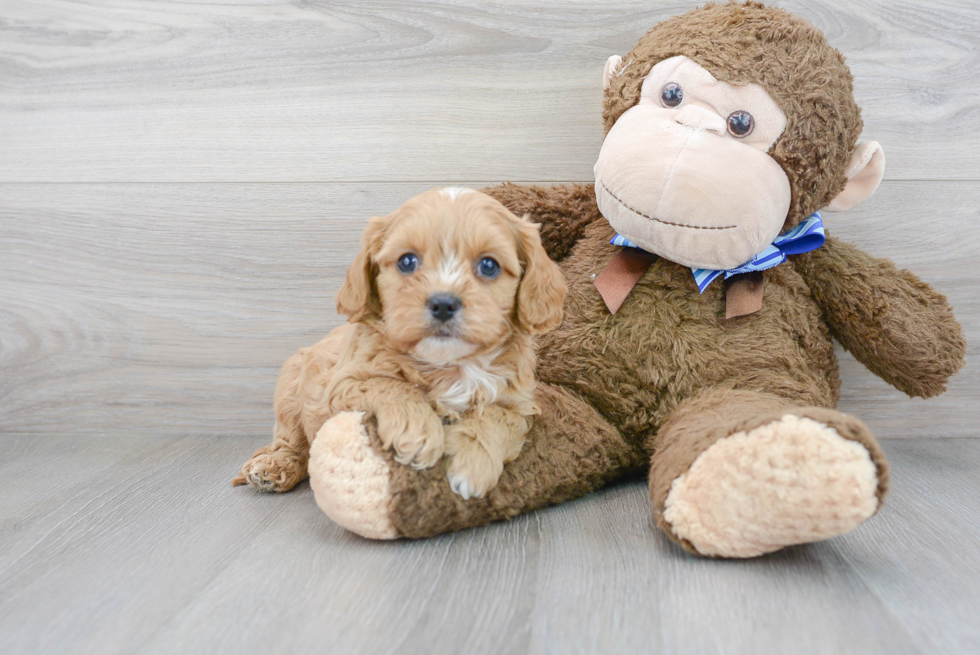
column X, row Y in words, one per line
column 864, row 173
column 612, row 65
column 357, row 297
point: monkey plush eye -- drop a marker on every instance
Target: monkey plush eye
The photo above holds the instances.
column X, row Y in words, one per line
column 488, row 267
column 672, row 95
column 740, row 124
column 407, row 263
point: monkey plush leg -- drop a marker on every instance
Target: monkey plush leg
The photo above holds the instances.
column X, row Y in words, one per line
column 740, row 473
column 569, row 451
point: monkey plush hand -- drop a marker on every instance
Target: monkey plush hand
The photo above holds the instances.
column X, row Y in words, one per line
column 703, row 297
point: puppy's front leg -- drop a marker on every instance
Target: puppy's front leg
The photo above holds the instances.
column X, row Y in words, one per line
column 480, row 445
column 406, row 421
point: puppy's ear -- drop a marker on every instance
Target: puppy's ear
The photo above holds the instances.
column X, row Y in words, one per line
column 542, row 291
column 358, row 298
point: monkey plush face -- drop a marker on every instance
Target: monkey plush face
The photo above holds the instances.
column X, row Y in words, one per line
column 686, row 173
column 725, row 127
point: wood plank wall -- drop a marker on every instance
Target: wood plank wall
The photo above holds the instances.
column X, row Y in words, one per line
column 182, row 185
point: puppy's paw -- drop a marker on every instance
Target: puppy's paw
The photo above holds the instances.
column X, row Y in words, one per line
column 414, row 431
column 274, row 471
column 462, row 487
column 472, row 471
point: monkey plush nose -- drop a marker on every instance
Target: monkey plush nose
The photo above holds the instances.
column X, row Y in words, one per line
column 700, row 119
column 443, row 306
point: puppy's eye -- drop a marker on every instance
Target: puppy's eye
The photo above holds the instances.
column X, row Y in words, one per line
column 407, row 263
column 740, row 124
column 672, row 95
column 488, row 267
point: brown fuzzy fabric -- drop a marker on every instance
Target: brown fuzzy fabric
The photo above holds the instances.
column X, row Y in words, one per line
column 786, row 55
column 668, row 342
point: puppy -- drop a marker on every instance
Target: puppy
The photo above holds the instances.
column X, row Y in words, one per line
column 442, row 302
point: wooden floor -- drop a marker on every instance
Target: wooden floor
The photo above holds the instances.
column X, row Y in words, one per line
column 138, row 545
column 182, row 186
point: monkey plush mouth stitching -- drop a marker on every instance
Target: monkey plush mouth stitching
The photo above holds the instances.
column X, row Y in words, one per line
column 653, row 218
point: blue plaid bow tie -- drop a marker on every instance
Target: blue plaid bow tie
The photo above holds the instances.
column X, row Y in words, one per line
column 806, row 236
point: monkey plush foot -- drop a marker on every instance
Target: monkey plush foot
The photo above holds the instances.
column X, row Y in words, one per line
column 790, row 481
column 350, row 480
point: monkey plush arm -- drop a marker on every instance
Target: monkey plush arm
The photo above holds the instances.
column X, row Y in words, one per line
column 563, row 211
column 898, row 326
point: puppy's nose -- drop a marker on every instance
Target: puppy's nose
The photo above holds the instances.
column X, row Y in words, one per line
column 444, row 306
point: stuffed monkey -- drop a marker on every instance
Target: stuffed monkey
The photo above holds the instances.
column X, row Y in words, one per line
column 703, row 297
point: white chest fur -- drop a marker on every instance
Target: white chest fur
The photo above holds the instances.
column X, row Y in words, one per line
column 457, row 393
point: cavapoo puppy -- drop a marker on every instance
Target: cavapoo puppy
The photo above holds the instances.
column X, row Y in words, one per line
column 442, row 303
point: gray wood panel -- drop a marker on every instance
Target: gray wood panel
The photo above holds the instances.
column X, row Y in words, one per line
column 169, row 308
column 390, row 90
column 144, row 548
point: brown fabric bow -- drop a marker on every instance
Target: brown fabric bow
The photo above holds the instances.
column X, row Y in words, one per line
column 743, row 293
column 621, row 274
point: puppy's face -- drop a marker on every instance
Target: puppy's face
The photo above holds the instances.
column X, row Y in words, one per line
column 452, row 273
